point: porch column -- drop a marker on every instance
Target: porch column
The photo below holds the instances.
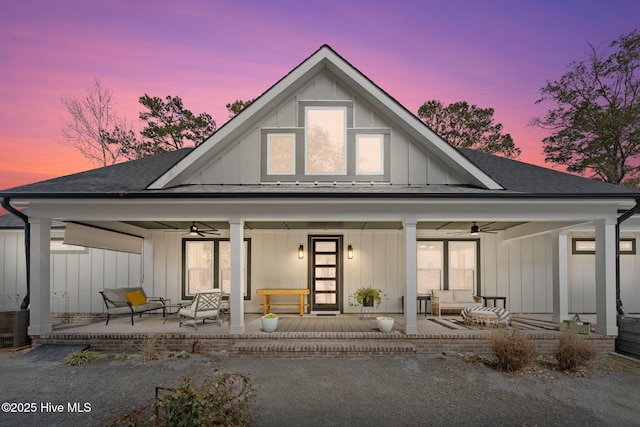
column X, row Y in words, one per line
column 560, row 276
column 236, row 298
column 606, row 320
column 411, row 274
column 40, row 288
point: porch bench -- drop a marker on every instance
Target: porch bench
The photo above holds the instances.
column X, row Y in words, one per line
column 117, row 302
column 267, row 304
column 453, row 300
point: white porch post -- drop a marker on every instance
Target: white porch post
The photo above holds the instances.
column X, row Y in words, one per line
column 560, row 276
column 236, row 298
column 40, row 288
column 411, row 274
column 606, row 321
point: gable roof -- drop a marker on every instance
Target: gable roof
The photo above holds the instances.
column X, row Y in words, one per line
column 325, row 58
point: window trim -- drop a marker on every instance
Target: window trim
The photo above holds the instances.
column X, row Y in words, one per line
column 577, row 251
column 216, row 265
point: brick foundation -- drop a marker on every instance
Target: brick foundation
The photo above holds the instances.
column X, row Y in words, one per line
column 329, row 344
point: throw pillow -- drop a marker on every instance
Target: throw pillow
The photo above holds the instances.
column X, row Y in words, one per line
column 136, row 298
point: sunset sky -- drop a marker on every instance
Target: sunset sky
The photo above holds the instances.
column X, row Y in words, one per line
column 489, row 53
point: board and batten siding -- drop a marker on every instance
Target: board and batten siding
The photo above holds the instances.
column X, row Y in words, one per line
column 518, row 269
column 239, row 163
column 582, row 272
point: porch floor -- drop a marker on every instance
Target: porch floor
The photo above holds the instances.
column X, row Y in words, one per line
column 343, row 335
column 309, row 323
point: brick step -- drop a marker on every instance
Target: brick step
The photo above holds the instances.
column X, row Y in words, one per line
column 298, row 348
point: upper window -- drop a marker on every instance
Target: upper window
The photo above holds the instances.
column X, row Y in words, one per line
column 325, row 145
column 281, row 152
column 370, row 154
column 326, row 140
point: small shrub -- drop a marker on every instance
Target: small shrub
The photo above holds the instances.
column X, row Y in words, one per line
column 513, row 350
column 572, row 352
column 220, row 401
column 81, row 357
column 149, row 348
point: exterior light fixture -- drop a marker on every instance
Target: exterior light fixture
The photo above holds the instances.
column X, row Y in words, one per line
column 350, row 252
column 475, row 230
column 300, row 252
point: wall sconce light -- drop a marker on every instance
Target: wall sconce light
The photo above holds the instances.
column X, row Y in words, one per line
column 350, row 252
column 300, row 252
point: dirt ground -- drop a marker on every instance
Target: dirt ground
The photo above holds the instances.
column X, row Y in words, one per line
column 434, row 390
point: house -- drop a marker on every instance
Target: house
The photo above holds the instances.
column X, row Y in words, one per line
column 326, row 182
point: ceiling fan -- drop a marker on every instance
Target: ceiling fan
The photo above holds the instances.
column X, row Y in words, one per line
column 194, row 231
column 476, row 230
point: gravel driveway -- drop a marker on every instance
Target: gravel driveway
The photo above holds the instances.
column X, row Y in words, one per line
column 375, row 391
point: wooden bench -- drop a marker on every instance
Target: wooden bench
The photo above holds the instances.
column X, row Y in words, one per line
column 266, row 293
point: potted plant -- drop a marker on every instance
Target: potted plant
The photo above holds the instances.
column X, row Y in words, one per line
column 366, row 297
column 269, row 322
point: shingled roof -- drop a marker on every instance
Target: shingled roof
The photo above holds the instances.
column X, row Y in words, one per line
column 132, row 178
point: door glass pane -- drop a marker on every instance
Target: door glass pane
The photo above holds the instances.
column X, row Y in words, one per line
column 325, row 285
column 325, row 298
column 325, row 272
column 326, row 137
column 323, row 259
column 326, row 247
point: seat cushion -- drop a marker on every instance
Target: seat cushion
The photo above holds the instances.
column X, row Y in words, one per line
column 445, row 297
column 188, row 312
column 463, row 296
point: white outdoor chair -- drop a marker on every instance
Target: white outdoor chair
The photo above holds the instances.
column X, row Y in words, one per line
column 205, row 305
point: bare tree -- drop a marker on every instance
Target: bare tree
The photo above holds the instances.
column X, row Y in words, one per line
column 89, row 119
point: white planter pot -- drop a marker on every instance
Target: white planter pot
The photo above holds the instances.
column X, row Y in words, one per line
column 385, row 324
column 269, row 324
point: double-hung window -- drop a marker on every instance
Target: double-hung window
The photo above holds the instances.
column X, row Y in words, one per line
column 447, row 264
column 207, row 265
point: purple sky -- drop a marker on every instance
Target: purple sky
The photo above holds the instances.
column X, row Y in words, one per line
column 489, row 53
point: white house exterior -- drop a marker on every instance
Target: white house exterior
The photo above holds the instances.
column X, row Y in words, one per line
column 326, row 160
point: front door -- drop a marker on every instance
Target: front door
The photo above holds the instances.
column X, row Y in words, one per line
column 325, row 265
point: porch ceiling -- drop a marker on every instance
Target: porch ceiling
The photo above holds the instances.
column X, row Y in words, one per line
column 329, row 225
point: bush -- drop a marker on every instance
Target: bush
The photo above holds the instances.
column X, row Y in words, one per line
column 513, row 350
column 221, row 401
column 149, row 348
column 572, row 352
column 81, row 357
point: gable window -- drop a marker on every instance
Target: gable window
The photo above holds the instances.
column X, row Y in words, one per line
column 447, row 264
column 207, row 265
column 281, row 152
column 324, row 145
column 369, row 154
column 326, row 137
